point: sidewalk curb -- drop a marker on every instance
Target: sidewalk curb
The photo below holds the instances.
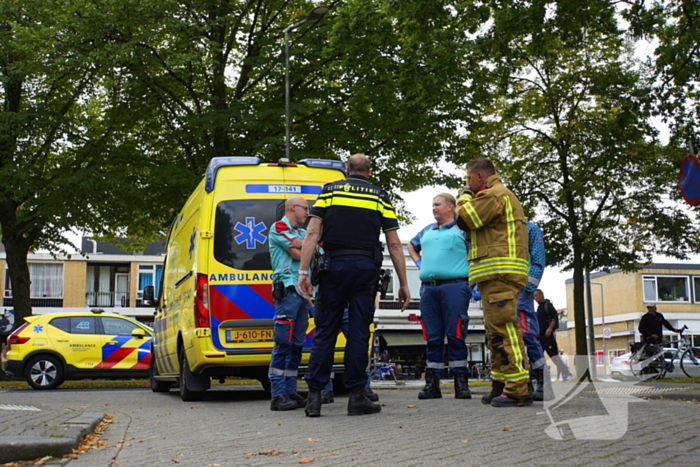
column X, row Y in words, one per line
column 48, row 440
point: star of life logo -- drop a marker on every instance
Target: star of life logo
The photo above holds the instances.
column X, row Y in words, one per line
column 601, row 412
column 250, row 233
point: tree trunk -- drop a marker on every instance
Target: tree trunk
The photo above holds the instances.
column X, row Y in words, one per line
column 17, row 248
column 579, row 310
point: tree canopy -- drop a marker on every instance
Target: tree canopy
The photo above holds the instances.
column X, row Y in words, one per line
column 111, row 110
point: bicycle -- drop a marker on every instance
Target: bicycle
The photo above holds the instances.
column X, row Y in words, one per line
column 648, row 363
column 383, row 372
column 481, row 372
column 689, row 359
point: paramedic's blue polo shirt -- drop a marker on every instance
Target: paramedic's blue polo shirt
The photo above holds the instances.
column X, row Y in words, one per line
column 443, row 252
column 284, row 266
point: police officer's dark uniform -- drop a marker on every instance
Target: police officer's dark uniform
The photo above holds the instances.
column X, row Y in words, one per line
column 353, row 213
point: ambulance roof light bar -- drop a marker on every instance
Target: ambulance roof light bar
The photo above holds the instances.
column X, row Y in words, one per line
column 218, row 162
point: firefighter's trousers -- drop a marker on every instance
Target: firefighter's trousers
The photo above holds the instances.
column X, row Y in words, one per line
column 504, row 337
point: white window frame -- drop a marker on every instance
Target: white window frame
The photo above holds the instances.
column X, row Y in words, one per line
column 653, row 280
column 696, row 296
column 144, row 269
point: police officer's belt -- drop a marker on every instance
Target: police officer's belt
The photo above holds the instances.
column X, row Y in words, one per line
column 340, row 252
column 446, row 281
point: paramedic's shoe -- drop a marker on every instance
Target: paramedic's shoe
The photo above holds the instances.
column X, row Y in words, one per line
column 371, row 395
column 327, row 397
column 283, row 402
column 313, row 404
column 358, row 404
column 301, row 402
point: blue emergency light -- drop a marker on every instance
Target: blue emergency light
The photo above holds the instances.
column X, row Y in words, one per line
column 218, row 162
column 324, row 164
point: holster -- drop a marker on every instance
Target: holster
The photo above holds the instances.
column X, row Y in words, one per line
column 278, row 292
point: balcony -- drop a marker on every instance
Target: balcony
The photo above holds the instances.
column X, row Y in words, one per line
column 37, row 302
column 106, row 299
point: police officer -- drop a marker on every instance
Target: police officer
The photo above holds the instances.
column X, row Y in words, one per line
column 440, row 252
column 351, row 213
column 291, row 309
column 498, row 262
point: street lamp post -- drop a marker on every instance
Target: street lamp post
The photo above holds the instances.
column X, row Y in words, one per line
column 591, row 330
column 312, row 15
column 602, row 319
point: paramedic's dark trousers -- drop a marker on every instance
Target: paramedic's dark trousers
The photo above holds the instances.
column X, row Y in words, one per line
column 348, row 282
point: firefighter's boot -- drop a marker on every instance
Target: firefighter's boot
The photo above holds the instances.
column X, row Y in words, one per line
column 432, row 385
column 496, row 390
column 506, row 400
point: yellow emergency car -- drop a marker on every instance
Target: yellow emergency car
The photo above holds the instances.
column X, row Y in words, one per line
column 214, row 312
column 49, row 349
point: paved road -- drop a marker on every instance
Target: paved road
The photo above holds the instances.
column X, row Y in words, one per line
column 234, row 426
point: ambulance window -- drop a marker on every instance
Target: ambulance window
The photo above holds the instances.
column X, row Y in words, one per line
column 61, row 323
column 241, row 233
column 118, row 326
column 82, row 325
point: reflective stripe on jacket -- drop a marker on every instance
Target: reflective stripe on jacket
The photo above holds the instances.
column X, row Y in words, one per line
column 499, row 239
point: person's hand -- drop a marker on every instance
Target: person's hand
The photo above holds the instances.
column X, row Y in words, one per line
column 476, row 295
column 655, row 336
column 296, row 243
column 418, row 263
column 465, row 195
column 305, row 287
column 548, row 332
column 404, row 297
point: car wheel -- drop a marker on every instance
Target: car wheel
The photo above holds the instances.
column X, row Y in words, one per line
column 44, row 372
column 187, row 394
column 158, row 386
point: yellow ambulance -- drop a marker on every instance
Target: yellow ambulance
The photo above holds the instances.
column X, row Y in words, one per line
column 214, row 314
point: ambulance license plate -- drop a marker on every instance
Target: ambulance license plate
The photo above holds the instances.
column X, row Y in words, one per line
column 249, row 335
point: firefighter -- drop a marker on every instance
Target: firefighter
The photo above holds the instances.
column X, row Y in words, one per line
column 498, row 260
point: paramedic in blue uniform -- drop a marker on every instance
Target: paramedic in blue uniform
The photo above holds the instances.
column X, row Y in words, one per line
column 291, row 310
column 440, row 252
column 539, row 372
column 351, row 214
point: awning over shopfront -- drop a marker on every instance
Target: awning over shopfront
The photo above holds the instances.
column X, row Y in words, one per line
column 476, row 337
column 407, row 338
column 402, row 338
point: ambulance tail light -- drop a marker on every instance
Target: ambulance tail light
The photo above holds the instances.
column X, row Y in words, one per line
column 14, row 337
column 201, row 302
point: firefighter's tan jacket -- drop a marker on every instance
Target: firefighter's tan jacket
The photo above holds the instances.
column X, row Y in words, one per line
column 498, row 231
